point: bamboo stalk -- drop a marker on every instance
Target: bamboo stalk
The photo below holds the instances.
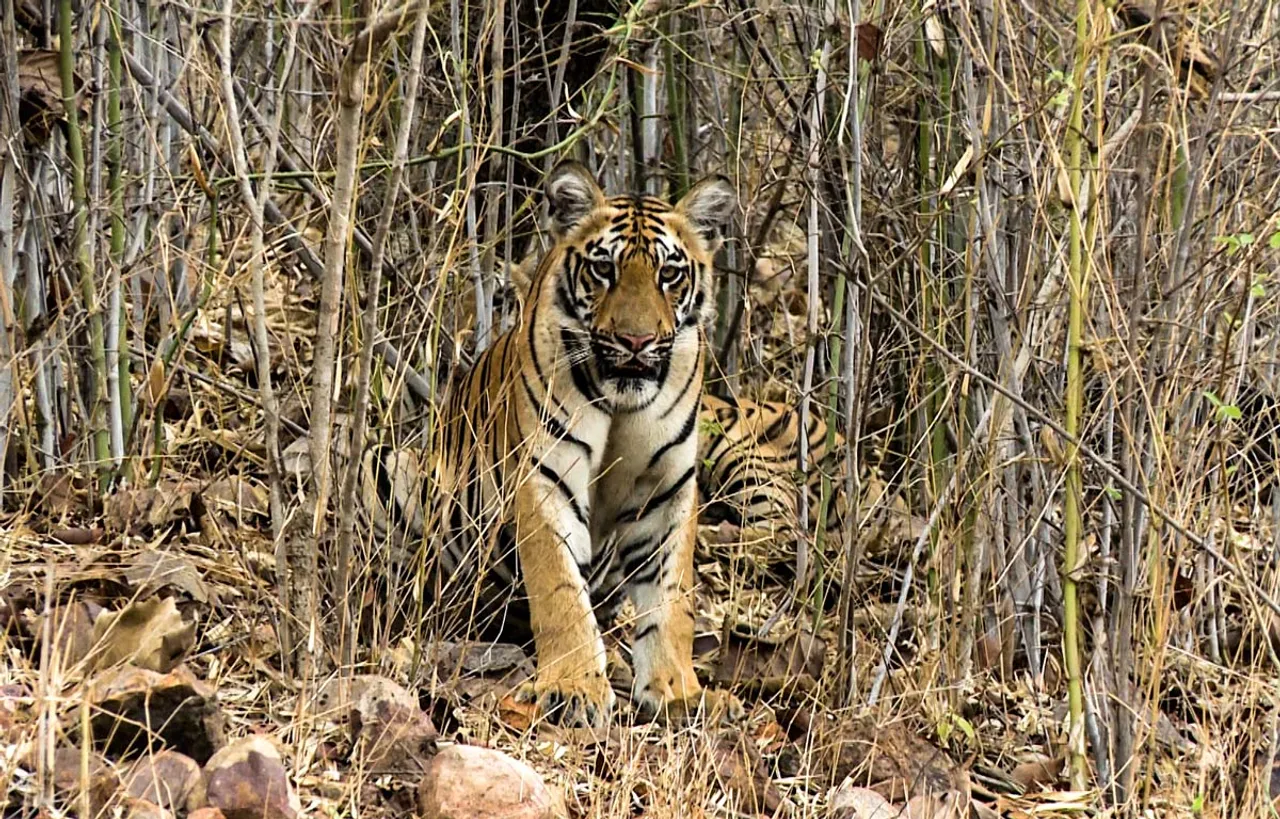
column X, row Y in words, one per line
column 1078, row 295
column 813, row 174
column 368, row 330
column 80, row 244
column 118, row 334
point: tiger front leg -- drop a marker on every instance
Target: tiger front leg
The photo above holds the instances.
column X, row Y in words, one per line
column 570, row 684
column 665, row 683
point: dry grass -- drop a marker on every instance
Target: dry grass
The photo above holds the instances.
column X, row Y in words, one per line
column 945, row 210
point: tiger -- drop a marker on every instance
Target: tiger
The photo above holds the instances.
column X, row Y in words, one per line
column 568, row 451
column 748, row 465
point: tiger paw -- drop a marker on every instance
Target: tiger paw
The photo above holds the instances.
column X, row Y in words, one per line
column 709, row 705
column 575, row 702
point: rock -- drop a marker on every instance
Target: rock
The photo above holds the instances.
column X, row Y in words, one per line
column 850, row 802
column 465, row 782
column 68, row 785
column 168, row 779
column 389, row 732
column 247, row 780
column 142, row 809
column 178, row 707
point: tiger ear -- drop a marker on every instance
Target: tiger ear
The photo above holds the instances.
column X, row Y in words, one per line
column 573, row 193
column 708, row 207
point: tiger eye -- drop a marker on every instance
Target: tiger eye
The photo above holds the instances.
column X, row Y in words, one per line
column 602, row 269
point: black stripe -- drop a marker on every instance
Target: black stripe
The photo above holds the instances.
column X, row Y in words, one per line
column 546, row 389
column 582, row 378
column 626, row 555
column 775, row 429
column 551, row 475
column 552, row 424
column 693, row 372
column 565, row 299
column 636, row 515
column 683, row 435
column 644, row 632
column 648, row 576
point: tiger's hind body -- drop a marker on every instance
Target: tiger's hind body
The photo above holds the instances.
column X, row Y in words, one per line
column 567, row 460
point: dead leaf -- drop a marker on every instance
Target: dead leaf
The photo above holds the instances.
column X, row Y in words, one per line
column 236, row 498
column 516, row 715
column 40, row 86
column 154, row 571
column 741, row 772
column 851, row 802
column 135, row 510
column 870, row 38
column 71, row 630
column 77, row 535
column 150, row 634
column 63, row 494
column 1037, row 772
column 950, row 805
column 753, row 663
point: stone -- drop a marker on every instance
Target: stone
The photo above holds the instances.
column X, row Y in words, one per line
column 247, row 780
column 466, row 782
column 168, row 779
column 181, row 709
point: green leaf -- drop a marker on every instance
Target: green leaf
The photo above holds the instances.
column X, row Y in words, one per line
column 1258, row 291
column 1213, row 398
column 965, row 726
column 1229, row 412
column 1274, row 241
column 944, row 731
column 1114, row 493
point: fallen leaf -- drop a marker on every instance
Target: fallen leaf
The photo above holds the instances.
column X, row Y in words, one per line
column 70, row 629
column 150, row 634
column 870, row 38
column 1037, row 772
column 236, row 498
column 741, row 772
column 154, row 571
column 851, row 802
column 751, row 663
column 517, row 715
column 136, row 510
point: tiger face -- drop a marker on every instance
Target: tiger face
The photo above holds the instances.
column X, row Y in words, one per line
column 631, row 280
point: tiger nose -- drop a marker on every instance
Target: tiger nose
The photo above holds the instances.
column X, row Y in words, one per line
column 636, row 344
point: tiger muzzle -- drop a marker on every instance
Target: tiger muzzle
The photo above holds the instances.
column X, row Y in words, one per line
column 625, row 356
